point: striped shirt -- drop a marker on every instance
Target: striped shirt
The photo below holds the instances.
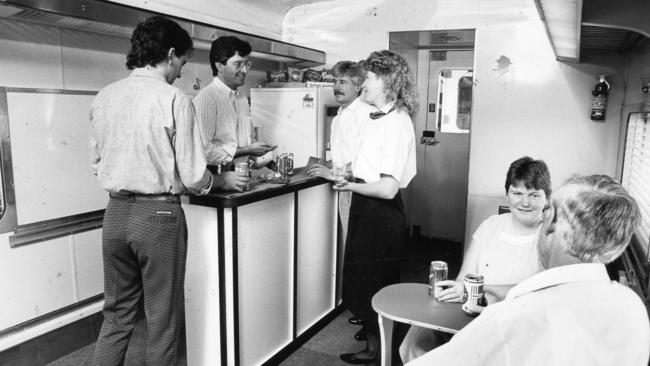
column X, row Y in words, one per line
column 143, row 138
column 224, row 117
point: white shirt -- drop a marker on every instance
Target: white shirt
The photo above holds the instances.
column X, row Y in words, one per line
column 388, row 147
column 504, row 258
column 347, row 131
column 565, row 316
column 224, row 117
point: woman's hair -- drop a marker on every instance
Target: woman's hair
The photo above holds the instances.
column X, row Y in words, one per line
column 354, row 70
column 595, row 218
column 533, row 174
column 223, row 48
column 153, row 38
column 397, row 77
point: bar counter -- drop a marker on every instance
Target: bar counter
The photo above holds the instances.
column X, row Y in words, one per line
column 261, row 270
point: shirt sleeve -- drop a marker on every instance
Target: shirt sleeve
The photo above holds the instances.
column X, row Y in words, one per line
column 394, row 149
column 206, row 118
column 190, row 161
column 480, row 343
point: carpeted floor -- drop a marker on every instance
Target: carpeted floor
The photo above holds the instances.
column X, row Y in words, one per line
column 338, row 336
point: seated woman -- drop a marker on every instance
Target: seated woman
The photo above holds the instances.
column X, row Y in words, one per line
column 503, row 248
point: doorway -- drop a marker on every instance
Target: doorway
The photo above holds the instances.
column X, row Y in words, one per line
column 443, row 62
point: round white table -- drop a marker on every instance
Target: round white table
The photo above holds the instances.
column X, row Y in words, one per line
column 410, row 303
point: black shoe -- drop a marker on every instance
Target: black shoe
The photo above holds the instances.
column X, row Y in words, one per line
column 361, row 335
column 359, row 358
column 355, row 321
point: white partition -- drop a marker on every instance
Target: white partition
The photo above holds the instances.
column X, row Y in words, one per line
column 265, row 277
column 316, row 272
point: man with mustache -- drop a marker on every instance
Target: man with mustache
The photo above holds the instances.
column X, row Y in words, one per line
column 346, row 134
column 571, row 314
column 223, row 111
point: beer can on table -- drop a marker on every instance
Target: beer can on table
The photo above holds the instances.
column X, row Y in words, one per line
column 474, row 295
column 437, row 272
column 243, row 169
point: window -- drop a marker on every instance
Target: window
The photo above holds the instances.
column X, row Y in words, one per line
column 636, row 175
column 455, row 101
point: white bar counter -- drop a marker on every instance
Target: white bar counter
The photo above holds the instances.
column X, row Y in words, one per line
column 261, row 270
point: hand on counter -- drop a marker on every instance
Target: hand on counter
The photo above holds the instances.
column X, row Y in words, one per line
column 320, row 170
column 229, row 181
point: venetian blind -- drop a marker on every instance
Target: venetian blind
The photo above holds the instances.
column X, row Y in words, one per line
column 636, row 171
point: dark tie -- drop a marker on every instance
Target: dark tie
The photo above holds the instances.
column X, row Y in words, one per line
column 375, row 115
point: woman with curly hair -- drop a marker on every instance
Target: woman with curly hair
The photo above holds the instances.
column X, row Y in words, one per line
column 384, row 163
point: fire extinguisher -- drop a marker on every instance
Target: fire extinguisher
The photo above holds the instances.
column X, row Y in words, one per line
column 599, row 100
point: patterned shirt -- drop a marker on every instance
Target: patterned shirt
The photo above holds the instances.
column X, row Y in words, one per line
column 143, row 138
column 224, row 117
column 347, row 131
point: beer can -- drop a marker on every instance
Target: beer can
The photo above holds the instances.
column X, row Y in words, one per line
column 437, row 272
column 282, row 164
column 243, row 169
column 290, row 164
column 474, row 294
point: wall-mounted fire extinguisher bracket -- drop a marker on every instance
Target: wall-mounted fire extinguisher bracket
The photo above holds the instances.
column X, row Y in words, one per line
column 599, row 99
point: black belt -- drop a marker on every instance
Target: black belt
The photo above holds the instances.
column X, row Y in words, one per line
column 132, row 197
column 357, row 180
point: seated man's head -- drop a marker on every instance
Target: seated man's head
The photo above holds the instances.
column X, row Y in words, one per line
column 348, row 79
column 590, row 219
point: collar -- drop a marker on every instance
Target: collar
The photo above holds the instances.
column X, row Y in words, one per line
column 559, row 275
column 352, row 106
column 147, row 72
column 225, row 88
column 387, row 107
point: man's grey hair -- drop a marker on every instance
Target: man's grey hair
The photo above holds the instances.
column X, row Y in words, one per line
column 595, row 218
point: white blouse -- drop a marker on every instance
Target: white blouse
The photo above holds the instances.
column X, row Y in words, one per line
column 388, row 147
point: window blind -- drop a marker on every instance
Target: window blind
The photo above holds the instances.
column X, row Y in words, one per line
column 636, row 172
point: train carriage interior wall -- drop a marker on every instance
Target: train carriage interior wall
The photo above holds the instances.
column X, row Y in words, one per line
column 521, row 74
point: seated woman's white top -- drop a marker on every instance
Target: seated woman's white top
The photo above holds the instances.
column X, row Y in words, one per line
column 504, row 258
column 388, row 147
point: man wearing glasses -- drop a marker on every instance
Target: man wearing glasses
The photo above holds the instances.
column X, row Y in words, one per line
column 222, row 111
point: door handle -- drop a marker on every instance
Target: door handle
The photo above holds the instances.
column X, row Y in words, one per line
column 428, row 138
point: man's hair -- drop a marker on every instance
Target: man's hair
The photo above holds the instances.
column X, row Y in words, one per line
column 224, row 48
column 595, row 218
column 398, row 80
column 153, row 38
column 354, row 70
column 533, row 174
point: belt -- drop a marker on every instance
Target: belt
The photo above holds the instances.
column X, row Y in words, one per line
column 357, row 180
column 132, row 197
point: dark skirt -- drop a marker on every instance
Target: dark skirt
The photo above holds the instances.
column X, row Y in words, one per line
column 373, row 252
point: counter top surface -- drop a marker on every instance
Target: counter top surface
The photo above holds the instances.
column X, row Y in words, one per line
column 259, row 190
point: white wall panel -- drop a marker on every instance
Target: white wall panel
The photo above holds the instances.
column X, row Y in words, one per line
column 36, row 279
column 265, row 268
column 316, row 255
column 88, row 264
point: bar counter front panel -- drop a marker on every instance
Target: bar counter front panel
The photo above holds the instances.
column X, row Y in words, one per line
column 261, row 269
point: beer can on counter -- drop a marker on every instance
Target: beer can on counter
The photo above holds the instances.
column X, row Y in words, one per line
column 282, row 164
column 289, row 164
column 474, row 294
column 243, row 169
column 437, row 272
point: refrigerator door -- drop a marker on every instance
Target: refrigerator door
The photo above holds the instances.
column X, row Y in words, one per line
column 293, row 119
